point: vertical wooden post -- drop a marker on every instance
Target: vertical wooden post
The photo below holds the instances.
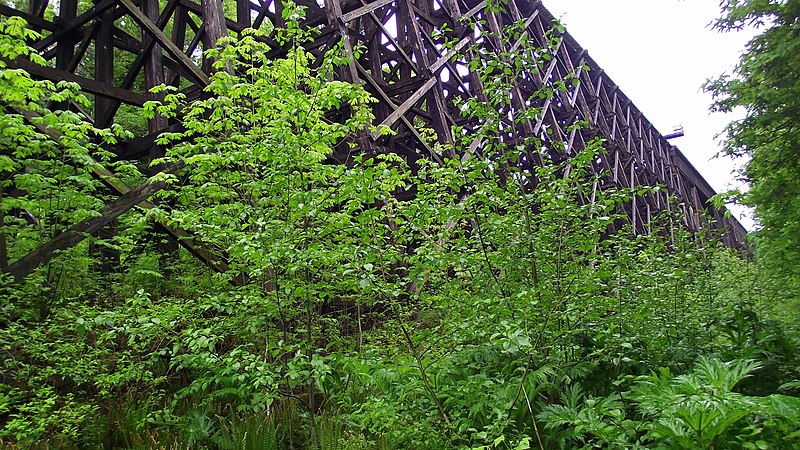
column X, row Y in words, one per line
column 403, row 20
column 36, row 9
column 435, row 98
column 104, row 63
column 178, row 37
column 154, row 75
column 333, row 10
column 214, row 22
column 243, row 13
column 108, row 259
column 65, row 48
column 374, row 54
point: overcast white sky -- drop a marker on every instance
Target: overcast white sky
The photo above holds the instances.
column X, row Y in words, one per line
column 660, row 52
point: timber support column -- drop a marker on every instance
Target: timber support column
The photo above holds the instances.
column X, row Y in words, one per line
column 214, row 23
column 103, row 114
column 154, row 75
column 104, row 65
column 243, row 13
column 65, row 47
column 333, row 11
column 36, row 9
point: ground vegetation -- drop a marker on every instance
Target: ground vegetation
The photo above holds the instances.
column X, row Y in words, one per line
column 501, row 306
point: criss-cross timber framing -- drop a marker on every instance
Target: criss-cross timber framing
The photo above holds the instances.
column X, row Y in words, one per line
column 404, row 65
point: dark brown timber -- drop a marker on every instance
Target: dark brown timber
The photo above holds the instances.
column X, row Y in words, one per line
column 23, row 266
column 405, row 65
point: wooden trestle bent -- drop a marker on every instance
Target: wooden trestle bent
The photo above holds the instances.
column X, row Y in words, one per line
column 406, row 66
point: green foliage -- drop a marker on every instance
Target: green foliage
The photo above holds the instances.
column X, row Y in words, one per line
column 765, row 85
column 486, row 301
column 47, row 159
column 589, row 422
column 696, row 410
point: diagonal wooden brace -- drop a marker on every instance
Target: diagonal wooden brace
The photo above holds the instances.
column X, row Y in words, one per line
column 137, row 198
column 22, row 267
column 165, row 42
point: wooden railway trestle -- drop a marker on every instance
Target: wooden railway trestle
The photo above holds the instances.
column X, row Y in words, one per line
column 416, row 93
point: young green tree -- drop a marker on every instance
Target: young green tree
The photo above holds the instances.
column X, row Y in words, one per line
column 48, row 163
column 765, row 83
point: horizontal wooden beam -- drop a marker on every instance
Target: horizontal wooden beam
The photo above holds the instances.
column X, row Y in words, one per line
column 366, row 9
column 32, row 20
column 87, row 84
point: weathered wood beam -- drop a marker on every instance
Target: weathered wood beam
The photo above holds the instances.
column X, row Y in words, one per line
column 147, row 51
column 37, row 7
column 368, row 8
column 399, row 111
column 141, row 147
column 243, row 9
column 87, row 84
column 333, row 9
column 69, row 22
column 215, row 28
column 154, row 31
column 104, row 63
column 411, row 128
column 211, row 259
column 434, row 99
column 33, row 20
column 66, row 45
column 83, row 47
column 179, row 24
column 154, row 73
column 23, row 266
column 231, row 24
